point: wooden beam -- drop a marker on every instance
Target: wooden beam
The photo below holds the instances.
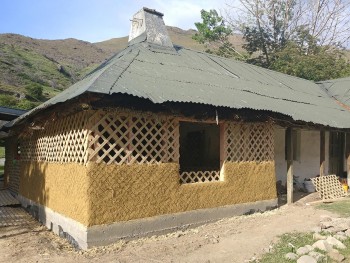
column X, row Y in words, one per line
column 289, row 148
column 347, row 155
column 222, row 149
column 322, row 152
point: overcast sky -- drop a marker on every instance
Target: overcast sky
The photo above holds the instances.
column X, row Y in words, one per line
column 93, row 20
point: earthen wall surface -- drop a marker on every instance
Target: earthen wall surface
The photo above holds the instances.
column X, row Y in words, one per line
column 126, row 192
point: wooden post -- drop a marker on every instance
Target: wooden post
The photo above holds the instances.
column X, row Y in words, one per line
column 347, row 154
column 322, row 152
column 222, row 149
column 289, row 146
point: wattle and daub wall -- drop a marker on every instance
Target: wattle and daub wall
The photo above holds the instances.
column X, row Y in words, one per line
column 99, row 167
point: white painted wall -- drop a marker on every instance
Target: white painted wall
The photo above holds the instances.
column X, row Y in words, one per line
column 309, row 164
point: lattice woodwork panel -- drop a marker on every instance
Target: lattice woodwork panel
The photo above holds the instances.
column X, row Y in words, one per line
column 328, row 187
column 63, row 140
column 126, row 138
column 249, row 142
column 199, row 177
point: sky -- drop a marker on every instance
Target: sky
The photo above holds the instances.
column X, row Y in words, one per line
column 93, row 20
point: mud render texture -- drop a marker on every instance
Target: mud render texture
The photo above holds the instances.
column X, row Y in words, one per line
column 126, row 192
column 101, row 194
column 60, row 187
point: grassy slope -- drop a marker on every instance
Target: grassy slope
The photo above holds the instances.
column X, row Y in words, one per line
column 57, row 64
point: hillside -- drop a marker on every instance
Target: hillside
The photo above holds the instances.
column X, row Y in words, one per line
column 34, row 70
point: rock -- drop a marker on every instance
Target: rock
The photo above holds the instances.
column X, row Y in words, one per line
column 291, row 256
column 318, row 256
column 347, row 233
column 341, row 233
column 318, row 236
column 335, row 255
column 310, row 248
column 326, row 225
column 302, row 251
column 335, row 242
column 306, row 259
column 341, row 237
column 322, row 245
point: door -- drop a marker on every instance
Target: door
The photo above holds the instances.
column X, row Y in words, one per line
column 336, row 153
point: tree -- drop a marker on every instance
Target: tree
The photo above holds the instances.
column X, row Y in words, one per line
column 264, row 24
column 213, row 33
column 297, row 37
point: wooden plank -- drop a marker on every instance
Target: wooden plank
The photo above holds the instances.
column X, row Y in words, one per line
column 289, row 146
column 322, row 152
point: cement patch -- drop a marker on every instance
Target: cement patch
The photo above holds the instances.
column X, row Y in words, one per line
column 63, row 226
column 87, row 237
column 107, row 234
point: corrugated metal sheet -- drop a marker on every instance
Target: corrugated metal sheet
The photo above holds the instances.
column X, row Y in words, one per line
column 163, row 75
column 338, row 89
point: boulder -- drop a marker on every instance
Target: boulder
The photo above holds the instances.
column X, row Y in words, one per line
column 347, row 233
column 341, row 237
column 322, row 245
column 306, row 259
column 318, row 256
column 291, row 256
column 310, row 248
column 335, row 242
column 336, row 256
column 318, row 236
column 302, row 251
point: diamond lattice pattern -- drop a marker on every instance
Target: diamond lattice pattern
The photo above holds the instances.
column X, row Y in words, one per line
column 249, row 142
column 126, row 138
column 62, row 140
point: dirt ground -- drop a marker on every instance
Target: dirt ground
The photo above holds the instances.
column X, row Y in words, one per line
column 235, row 239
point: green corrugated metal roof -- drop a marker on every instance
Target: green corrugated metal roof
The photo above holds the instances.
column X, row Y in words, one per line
column 182, row 75
column 338, row 89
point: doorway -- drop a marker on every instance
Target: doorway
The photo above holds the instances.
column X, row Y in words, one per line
column 336, row 153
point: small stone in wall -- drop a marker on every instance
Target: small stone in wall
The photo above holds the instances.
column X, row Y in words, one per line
column 306, row 259
column 291, row 256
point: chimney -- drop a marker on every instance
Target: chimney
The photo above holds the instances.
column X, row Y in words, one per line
column 148, row 25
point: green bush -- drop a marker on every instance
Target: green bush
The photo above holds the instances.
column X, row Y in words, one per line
column 34, row 91
column 8, row 101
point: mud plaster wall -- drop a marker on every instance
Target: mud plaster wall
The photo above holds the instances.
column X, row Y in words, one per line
column 125, row 192
column 61, row 187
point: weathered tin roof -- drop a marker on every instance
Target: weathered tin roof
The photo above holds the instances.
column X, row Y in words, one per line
column 8, row 114
column 182, row 75
column 338, row 89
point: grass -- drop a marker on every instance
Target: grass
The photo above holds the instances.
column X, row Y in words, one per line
column 341, row 208
column 2, row 152
column 277, row 255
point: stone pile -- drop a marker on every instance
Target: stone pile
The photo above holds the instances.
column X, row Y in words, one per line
column 328, row 239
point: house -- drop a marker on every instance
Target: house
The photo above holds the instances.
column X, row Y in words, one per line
column 161, row 136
